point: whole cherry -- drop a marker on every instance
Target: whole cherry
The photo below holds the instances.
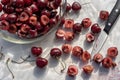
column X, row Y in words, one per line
column 41, row 62
column 55, row 52
column 36, row 51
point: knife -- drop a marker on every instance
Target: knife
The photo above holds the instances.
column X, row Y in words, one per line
column 105, row 32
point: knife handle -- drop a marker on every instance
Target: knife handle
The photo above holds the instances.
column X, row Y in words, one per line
column 112, row 17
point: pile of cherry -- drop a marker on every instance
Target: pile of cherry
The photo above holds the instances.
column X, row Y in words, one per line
column 29, row 18
column 77, row 51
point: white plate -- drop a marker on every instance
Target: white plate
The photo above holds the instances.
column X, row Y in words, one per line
column 29, row 71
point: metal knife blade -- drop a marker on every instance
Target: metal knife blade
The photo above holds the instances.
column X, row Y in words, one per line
column 109, row 24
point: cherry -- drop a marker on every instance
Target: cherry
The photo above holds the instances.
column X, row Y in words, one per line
column 76, row 6
column 29, row 11
column 88, row 69
column 33, row 20
column 77, row 51
column 69, row 23
column 18, row 10
column 112, row 52
column 5, row 2
column 23, row 17
column 52, row 21
column 38, row 26
column 33, row 33
column 44, row 20
column 85, row 56
column 95, row 28
column 42, row 3
column 90, row 37
column 8, row 9
column 69, row 36
column 45, row 12
column 68, row 7
column 25, row 28
column 55, row 52
column 36, row 51
column 4, row 25
column 3, row 16
column 72, row 70
column 28, row 2
column 104, row 15
column 20, row 3
column 12, row 28
column 86, row 22
column 34, row 8
column 58, row 2
column 12, row 18
column 60, row 34
column 41, row 62
column 66, row 48
column 98, row 58
column 62, row 21
column 77, row 27
column 1, row 7
column 107, row 62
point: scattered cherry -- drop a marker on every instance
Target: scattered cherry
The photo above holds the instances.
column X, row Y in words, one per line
column 60, row 34
column 72, row 70
column 85, row 56
column 5, row 2
column 69, row 23
column 107, row 62
column 95, row 28
column 86, row 22
column 69, row 36
column 55, row 52
column 112, row 52
column 77, row 51
column 68, row 7
column 77, row 27
column 41, row 62
column 66, row 48
column 103, row 15
column 90, row 37
column 98, row 58
column 88, row 69
column 36, row 51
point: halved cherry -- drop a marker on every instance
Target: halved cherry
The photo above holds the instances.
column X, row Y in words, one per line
column 60, row 33
column 69, row 23
column 72, row 70
column 44, row 20
column 112, row 52
column 85, row 56
column 90, row 37
column 88, row 69
column 77, row 51
column 98, row 58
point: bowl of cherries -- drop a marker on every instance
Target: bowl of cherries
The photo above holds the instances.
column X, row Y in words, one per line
column 27, row 21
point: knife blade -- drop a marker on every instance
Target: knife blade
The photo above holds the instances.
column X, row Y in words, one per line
column 99, row 43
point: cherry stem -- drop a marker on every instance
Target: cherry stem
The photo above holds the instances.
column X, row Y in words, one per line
column 63, row 64
column 9, row 68
column 1, row 54
column 23, row 60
